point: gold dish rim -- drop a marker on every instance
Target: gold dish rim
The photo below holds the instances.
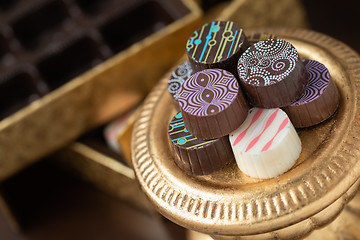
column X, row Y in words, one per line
column 282, row 201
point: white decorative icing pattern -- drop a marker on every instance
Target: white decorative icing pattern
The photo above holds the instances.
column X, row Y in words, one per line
column 178, row 77
column 267, row 62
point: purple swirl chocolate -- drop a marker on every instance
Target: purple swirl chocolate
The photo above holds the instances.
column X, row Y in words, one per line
column 209, row 92
column 272, row 74
column 212, row 103
column 320, row 100
column 319, row 79
column 195, row 156
column 217, row 44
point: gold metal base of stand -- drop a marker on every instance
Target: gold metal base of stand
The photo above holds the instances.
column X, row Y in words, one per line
column 228, row 204
column 345, row 226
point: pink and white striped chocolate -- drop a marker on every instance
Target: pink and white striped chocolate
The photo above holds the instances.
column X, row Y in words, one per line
column 266, row 144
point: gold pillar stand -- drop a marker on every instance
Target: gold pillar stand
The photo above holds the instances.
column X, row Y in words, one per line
column 228, row 204
column 345, row 225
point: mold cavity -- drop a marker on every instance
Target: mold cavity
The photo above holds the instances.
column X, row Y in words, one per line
column 6, row 4
column 3, row 46
column 16, row 92
column 208, row 4
column 134, row 25
column 92, row 6
column 30, row 28
column 70, row 61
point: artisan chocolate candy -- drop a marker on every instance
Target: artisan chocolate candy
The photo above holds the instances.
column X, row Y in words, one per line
column 212, row 103
column 195, row 156
column 218, row 44
column 259, row 36
column 320, row 100
column 272, row 74
column 266, row 144
column 177, row 78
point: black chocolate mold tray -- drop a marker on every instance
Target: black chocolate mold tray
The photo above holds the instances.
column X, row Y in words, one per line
column 46, row 43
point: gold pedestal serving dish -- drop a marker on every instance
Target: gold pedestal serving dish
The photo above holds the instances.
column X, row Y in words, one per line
column 230, row 205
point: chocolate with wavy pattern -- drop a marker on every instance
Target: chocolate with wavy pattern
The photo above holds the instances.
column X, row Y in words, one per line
column 319, row 78
column 212, row 103
column 320, row 100
column 208, row 92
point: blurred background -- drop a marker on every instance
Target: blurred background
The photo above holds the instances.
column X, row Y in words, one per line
column 49, row 200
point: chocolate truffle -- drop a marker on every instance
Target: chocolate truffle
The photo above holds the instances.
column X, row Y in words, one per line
column 212, row 103
column 177, row 78
column 266, row 144
column 259, row 36
column 272, row 74
column 320, row 100
column 195, row 156
column 218, row 44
